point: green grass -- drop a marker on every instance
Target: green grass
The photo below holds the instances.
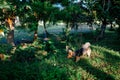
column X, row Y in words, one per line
column 31, row 64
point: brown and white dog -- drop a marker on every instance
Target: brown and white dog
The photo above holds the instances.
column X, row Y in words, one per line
column 85, row 50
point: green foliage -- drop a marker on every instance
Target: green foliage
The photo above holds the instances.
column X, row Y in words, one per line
column 49, row 46
column 37, row 6
column 118, row 32
column 43, row 10
column 71, row 13
column 54, row 72
column 5, row 48
column 27, row 54
column 34, row 71
column 33, row 27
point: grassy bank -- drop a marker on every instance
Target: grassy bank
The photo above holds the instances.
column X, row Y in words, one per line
column 48, row 61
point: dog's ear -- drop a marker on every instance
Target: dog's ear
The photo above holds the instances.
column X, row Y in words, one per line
column 67, row 48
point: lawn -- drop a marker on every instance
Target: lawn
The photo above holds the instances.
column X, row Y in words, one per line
column 43, row 60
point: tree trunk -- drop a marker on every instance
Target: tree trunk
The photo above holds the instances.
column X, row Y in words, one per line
column 35, row 35
column 45, row 30
column 10, row 34
column 103, row 28
column 10, row 37
column 118, row 30
column 111, row 26
column 67, row 32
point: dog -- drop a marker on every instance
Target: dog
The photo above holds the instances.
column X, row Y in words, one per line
column 85, row 50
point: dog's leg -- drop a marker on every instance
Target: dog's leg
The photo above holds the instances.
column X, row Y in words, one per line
column 77, row 59
column 89, row 52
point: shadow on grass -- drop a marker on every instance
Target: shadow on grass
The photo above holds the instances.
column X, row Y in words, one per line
column 110, row 41
column 100, row 75
column 113, row 63
column 31, row 71
column 112, row 59
column 110, row 56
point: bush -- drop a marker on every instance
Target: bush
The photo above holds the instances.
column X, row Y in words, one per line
column 118, row 32
column 32, row 71
column 5, row 48
column 27, row 54
column 52, row 73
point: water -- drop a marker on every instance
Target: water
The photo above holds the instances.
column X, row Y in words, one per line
column 25, row 34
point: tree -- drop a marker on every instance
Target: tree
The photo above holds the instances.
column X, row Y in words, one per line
column 11, row 9
column 102, row 8
column 107, row 10
column 43, row 11
column 8, row 18
column 88, row 6
column 114, row 13
column 71, row 15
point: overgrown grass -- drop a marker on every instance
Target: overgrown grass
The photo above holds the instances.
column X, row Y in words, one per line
column 48, row 60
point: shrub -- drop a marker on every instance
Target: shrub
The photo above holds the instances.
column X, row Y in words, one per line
column 27, row 54
column 118, row 32
column 5, row 48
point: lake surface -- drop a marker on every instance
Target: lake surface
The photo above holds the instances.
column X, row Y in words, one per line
column 25, row 34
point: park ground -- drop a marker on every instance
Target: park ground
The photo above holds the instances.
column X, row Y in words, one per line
column 37, row 61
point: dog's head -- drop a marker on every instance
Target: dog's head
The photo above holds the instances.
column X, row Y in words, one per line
column 86, row 45
column 70, row 54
